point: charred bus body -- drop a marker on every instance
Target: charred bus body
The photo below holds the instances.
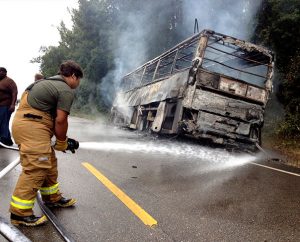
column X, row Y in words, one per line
column 210, row 86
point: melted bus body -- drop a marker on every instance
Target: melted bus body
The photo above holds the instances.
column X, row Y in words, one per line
column 210, row 86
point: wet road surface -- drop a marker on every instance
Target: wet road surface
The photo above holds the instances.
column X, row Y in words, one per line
column 189, row 192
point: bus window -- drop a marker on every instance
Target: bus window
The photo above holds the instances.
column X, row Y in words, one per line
column 165, row 65
column 149, row 72
column 185, row 56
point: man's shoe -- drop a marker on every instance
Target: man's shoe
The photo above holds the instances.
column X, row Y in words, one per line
column 63, row 203
column 31, row 220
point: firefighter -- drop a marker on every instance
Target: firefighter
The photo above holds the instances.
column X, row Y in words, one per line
column 43, row 113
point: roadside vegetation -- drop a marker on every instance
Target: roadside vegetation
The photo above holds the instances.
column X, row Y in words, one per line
column 278, row 27
column 95, row 42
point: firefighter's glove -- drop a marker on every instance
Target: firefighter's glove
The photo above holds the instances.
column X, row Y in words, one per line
column 72, row 145
column 61, row 145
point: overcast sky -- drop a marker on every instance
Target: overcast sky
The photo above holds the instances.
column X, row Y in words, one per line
column 25, row 26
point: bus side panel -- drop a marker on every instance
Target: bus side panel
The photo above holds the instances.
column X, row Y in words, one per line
column 172, row 87
column 152, row 106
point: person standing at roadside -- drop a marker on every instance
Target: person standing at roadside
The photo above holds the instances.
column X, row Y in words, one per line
column 8, row 98
column 43, row 113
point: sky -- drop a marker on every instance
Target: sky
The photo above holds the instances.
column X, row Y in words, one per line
column 26, row 25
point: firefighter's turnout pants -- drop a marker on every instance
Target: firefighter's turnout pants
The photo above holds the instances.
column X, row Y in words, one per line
column 32, row 130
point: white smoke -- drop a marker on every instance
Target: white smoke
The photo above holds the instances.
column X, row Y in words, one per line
column 131, row 50
column 230, row 17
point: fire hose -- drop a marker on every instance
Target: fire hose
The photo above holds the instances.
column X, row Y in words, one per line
column 62, row 231
column 11, row 233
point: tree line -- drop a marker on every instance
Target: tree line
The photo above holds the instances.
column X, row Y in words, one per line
column 278, row 27
column 104, row 37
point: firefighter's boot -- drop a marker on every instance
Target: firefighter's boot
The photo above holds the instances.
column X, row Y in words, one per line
column 63, row 203
column 31, row 220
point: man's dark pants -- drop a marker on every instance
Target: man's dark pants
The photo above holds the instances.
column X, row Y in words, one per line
column 5, row 114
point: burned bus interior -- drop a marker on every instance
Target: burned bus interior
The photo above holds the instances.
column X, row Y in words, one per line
column 209, row 87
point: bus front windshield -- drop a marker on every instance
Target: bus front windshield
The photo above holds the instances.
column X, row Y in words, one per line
column 233, row 61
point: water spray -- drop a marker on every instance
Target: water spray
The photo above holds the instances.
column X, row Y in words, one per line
column 219, row 158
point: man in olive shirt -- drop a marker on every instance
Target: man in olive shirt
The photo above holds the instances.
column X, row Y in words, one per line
column 42, row 113
column 8, row 98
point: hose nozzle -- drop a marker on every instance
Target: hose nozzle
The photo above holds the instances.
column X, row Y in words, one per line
column 72, row 145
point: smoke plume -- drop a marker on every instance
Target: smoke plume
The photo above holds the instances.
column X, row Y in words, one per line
column 230, row 17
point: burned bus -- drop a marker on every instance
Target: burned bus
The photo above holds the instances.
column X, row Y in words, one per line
column 210, row 86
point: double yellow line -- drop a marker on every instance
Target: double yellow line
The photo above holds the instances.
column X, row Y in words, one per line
column 133, row 206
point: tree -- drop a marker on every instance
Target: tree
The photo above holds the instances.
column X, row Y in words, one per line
column 279, row 27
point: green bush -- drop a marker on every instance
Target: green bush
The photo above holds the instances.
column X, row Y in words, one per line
column 290, row 127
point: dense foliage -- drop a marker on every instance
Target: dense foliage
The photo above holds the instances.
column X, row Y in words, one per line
column 279, row 28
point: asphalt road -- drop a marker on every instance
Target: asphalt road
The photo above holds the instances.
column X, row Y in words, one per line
column 136, row 187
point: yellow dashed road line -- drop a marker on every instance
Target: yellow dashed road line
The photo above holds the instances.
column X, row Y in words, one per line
column 134, row 207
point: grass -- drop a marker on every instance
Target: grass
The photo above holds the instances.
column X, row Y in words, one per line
column 289, row 148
